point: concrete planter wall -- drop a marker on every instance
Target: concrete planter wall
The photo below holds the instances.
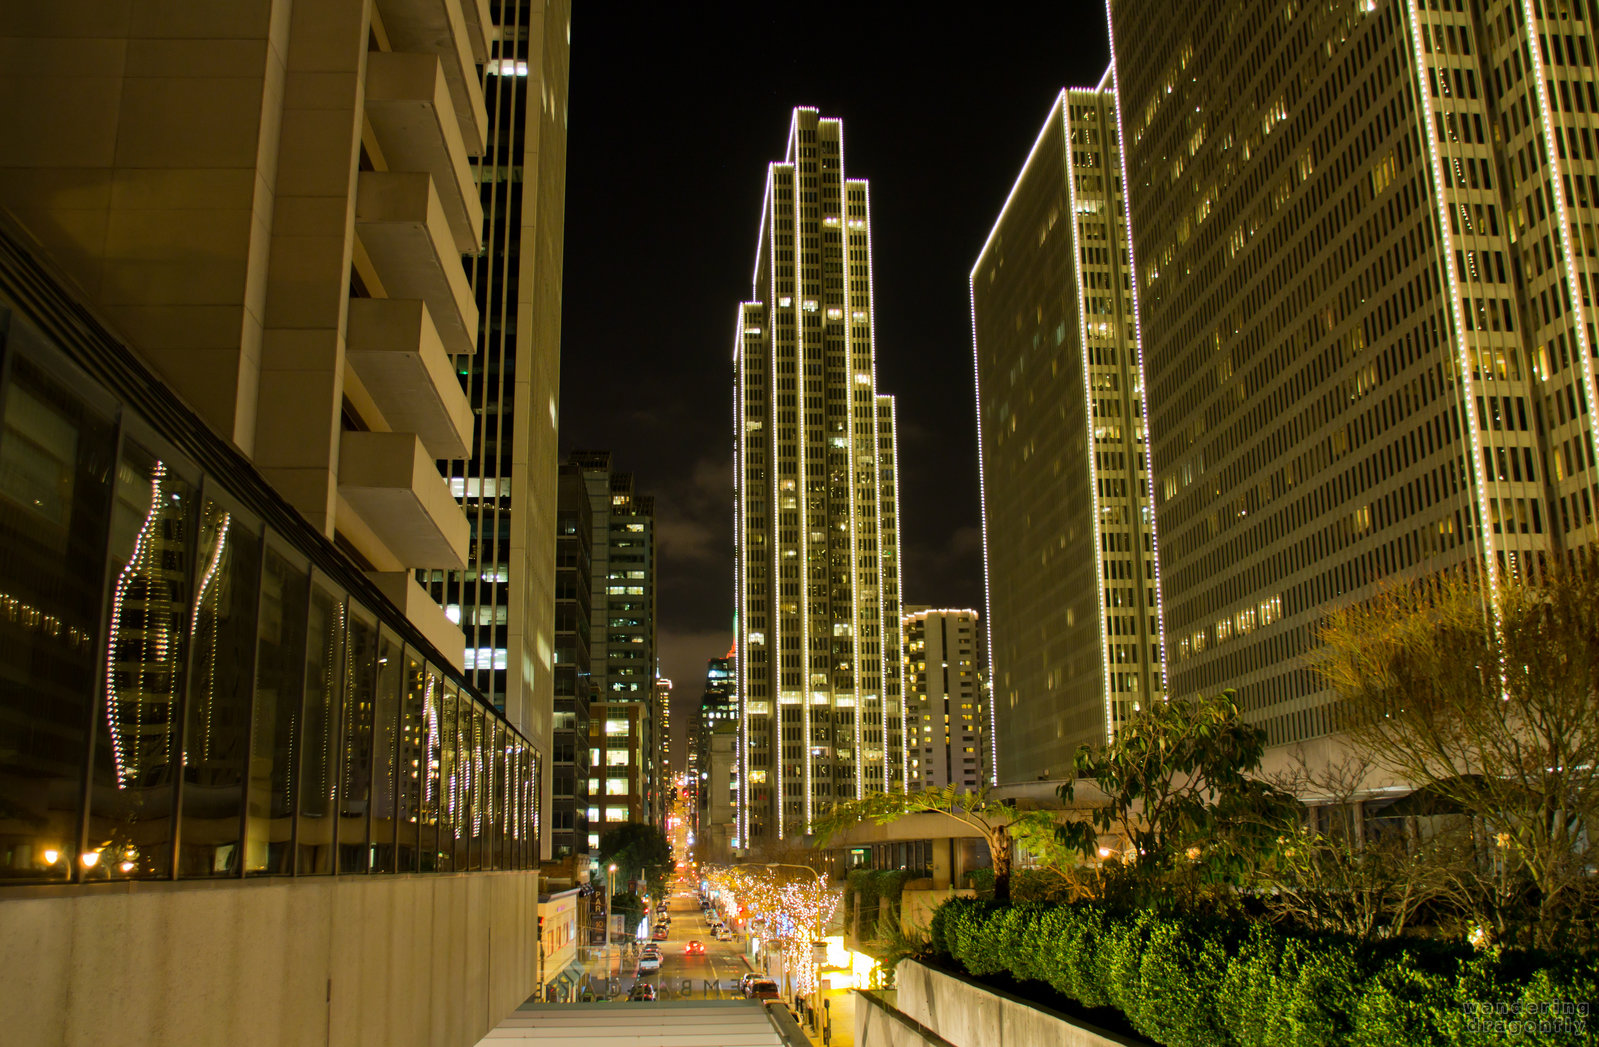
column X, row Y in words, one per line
column 931, row 1008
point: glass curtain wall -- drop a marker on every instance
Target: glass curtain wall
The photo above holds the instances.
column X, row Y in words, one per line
column 183, row 692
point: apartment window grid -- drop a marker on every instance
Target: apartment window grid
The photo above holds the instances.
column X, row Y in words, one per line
column 1395, row 325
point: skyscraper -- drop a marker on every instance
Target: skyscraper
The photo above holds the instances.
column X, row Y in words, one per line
column 507, row 483
column 1365, row 240
column 217, row 486
column 942, row 698
column 816, row 521
column 622, row 641
column 1069, row 554
column 569, row 761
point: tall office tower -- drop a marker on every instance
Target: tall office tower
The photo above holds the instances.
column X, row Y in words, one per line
column 569, row 760
column 507, row 484
column 622, row 642
column 663, row 747
column 226, row 433
column 942, row 702
column 817, row 575
column 1073, row 595
column 1365, row 234
column 718, row 706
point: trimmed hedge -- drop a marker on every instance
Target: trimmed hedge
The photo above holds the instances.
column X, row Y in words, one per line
column 1185, row 981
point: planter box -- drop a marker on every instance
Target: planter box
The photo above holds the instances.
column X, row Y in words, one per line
column 932, row 1008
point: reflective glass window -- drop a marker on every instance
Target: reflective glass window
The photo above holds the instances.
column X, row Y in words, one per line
column 355, row 791
column 445, row 752
column 466, row 784
column 221, row 684
column 324, row 700
column 138, row 723
column 409, row 817
column 279, row 691
column 428, row 835
column 56, row 455
column 481, row 791
column 385, row 764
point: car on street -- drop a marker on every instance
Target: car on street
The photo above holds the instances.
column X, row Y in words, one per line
column 641, row 992
column 649, row 964
column 761, row 989
column 745, row 979
column 722, row 934
column 659, row 934
column 695, row 947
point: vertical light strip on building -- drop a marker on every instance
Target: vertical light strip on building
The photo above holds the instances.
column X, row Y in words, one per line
column 1573, row 300
column 847, row 234
column 1138, row 350
column 899, row 609
column 1100, row 602
column 1468, row 400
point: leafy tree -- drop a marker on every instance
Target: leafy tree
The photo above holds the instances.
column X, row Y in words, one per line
column 1177, row 773
column 1488, row 697
column 1000, row 822
column 640, row 852
column 629, row 906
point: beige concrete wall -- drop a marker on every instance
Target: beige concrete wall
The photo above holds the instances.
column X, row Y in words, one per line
column 968, row 1015
column 394, row 961
column 141, row 151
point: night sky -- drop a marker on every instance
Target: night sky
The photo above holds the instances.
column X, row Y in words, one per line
column 675, row 111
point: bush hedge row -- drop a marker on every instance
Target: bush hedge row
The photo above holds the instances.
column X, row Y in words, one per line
column 1184, row 981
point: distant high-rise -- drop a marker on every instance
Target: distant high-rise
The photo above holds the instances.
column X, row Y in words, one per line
column 1365, row 239
column 816, row 520
column 1069, row 554
column 942, row 702
column 569, row 763
column 622, row 640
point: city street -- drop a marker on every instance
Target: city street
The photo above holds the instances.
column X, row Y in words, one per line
column 719, row 968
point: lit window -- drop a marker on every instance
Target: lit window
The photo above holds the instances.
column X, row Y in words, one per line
column 616, row 814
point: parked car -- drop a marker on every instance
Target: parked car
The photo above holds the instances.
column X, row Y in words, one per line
column 641, row 992
column 695, row 947
column 649, row 964
column 745, row 979
column 722, row 934
column 659, row 934
column 761, row 989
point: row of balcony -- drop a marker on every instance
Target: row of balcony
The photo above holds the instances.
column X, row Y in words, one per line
column 416, row 214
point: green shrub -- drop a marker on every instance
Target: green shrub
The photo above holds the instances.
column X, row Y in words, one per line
column 1185, row 981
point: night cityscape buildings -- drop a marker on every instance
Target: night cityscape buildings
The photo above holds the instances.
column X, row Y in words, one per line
column 817, row 578
column 1364, row 271
column 942, row 698
column 1072, row 570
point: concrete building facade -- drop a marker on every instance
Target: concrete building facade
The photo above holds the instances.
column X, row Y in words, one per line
column 234, row 271
column 943, row 706
column 816, row 504
column 1071, row 566
column 1365, row 271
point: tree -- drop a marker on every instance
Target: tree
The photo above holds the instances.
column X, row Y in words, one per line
column 1000, row 822
column 639, row 851
column 1487, row 696
column 1177, row 773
